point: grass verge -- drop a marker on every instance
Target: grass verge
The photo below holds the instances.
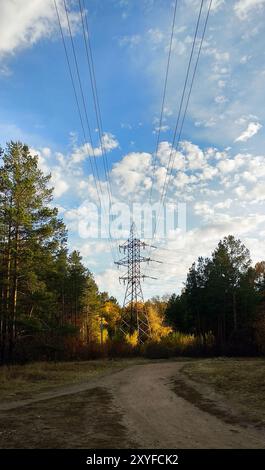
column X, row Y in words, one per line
column 237, row 383
column 24, row 381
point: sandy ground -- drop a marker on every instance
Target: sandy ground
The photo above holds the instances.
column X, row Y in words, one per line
column 138, row 407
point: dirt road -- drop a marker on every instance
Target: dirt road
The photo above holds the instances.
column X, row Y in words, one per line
column 137, row 407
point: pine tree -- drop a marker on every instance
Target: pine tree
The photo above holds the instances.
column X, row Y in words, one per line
column 30, row 231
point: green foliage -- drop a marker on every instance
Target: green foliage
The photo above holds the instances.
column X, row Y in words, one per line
column 46, row 293
column 220, row 298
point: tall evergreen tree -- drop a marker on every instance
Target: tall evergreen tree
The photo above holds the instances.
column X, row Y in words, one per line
column 30, row 231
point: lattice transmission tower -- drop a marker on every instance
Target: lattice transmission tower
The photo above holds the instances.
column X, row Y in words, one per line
column 134, row 316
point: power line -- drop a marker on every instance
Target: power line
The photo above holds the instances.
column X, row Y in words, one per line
column 172, row 152
column 92, row 77
column 75, row 94
column 162, row 198
column 93, row 84
column 86, row 115
column 182, row 97
column 191, row 87
column 179, row 114
column 163, row 98
column 81, row 90
column 96, row 182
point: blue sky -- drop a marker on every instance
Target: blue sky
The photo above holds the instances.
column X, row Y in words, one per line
column 219, row 167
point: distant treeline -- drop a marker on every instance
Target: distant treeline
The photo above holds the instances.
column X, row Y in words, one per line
column 223, row 296
column 51, row 307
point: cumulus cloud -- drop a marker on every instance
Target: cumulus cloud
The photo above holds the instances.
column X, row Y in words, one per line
column 58, row 177
column 252, row 129
column 257, row 193
column 194, row 155
column 22, row 24
column 218, row 184
column 165, row 152
column 203, row 208
column 185, row 248
column 131, row 173
column 108, row 281
column 59, row 184
column 108, row 143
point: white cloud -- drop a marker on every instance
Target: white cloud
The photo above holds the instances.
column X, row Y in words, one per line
column 226, row 166
column 218, row 55
column 109, row 143
column 194, row 155
column 248, row 176
column 58, row 178
column 251, row 130
column 162, row 128
column 23, row 23
column 109, row 281
column 155, row 35
column 130, row 172
column 224, row 204
column 203, row 208
column 218, row 184
column 209, row 173
column 165, row 153
column 183, row 250
column 59, row 184
column 244, row 7
column 257, row 193
column 130, row 41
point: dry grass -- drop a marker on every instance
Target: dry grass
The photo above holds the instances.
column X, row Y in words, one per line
column 241, row 381
column 24, row 381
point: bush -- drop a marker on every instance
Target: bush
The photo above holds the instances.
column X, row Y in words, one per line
column 120, row 348
column 39, row 348
column 156, row 350
column 179, row 344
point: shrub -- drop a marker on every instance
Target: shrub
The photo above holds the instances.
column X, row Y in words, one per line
column 120, row 348
column 179, row 344
column 156, row 350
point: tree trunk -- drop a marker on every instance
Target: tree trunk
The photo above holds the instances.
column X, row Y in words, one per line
column 6, row 295
column 234, row 311
column 12, row 326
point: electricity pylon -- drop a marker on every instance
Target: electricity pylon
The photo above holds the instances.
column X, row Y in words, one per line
column 134, row 316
